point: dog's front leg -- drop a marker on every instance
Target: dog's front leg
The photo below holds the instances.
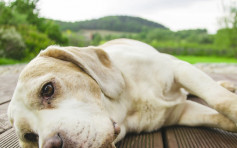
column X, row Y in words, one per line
column 195, row 114
column 200, row 84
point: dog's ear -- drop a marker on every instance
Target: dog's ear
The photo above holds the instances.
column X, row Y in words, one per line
column 95, row 62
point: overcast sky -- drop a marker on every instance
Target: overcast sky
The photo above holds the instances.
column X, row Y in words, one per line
column 174, row 14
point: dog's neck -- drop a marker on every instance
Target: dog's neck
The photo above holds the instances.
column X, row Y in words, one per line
column 116, row 108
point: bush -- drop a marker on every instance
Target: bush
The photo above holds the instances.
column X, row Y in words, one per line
column 76, row 39
column 11, row 44
column 35, row 41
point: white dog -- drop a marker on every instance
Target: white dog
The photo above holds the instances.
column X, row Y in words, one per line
column 69, row 97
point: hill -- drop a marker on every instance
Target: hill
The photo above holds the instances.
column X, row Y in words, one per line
column 113, row 23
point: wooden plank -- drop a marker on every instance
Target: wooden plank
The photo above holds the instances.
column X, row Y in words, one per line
column 9, row 139
column 7, row 86
column 195, row 137
column 218, row 77
column 170, row 139
column 3, row 108
column 4, row 123
column 143, row 140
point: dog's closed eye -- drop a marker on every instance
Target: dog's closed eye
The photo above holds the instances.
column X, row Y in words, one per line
column 47, row 90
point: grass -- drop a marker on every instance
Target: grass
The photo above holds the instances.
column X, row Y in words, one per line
column 4, row 61
column 206, row 59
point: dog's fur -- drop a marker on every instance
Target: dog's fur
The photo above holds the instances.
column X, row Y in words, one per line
column 122, row 81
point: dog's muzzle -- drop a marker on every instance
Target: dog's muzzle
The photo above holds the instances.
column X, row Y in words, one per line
column 56, row 141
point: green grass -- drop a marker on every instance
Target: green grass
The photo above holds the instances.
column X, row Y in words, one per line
column 4, row 61
column 206, row 59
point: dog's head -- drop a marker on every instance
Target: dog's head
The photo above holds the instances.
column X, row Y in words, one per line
column 58, row 100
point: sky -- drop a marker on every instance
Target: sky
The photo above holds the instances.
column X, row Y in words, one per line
column 174, row 14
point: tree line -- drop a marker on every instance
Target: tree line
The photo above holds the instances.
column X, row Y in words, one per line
column 196, row 42
column 114, row 23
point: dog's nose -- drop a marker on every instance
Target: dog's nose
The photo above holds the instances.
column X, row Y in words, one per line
column 53, row 142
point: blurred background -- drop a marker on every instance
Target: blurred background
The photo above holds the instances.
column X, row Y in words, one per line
column 192, row 30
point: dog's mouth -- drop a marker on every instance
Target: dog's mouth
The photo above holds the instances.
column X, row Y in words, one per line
column 109, row 141
column 116, row 129
column 83, row 139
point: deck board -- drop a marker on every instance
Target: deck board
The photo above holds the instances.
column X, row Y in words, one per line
column 7, row 86
column 9, row 139
column 143, row 140
column 196, row 137
column 4, row 123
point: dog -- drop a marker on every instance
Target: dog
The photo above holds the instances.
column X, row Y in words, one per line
column 71, row 97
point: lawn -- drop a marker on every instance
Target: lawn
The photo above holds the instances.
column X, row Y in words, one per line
column 4, row 61
column 206, row 59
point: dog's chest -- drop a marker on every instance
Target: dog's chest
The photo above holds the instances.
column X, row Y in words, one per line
column 146, row 115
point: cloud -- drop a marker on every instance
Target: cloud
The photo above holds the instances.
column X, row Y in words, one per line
column 176, row 14
column 200, row 14
column 72, row 9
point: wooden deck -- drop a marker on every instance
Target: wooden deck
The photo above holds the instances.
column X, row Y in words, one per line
column 169, row 137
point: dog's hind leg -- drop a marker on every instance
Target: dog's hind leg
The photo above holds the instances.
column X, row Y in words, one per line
column 200, row 84
column 195, row 114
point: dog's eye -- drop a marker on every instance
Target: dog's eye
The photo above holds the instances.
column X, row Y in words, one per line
column 31, row 137
column 47, row 90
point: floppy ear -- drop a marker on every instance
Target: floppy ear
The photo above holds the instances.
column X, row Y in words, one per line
column 95, row 62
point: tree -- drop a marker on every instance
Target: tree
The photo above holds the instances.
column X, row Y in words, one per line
column 228, row 35
column 5, row 13
column 28, row 8
column 96, row 39
column 23, row 32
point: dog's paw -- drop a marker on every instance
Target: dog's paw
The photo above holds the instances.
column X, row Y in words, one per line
column 228, row 85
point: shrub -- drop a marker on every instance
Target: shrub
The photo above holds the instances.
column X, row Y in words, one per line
column 11, row 44
column 34, row 40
